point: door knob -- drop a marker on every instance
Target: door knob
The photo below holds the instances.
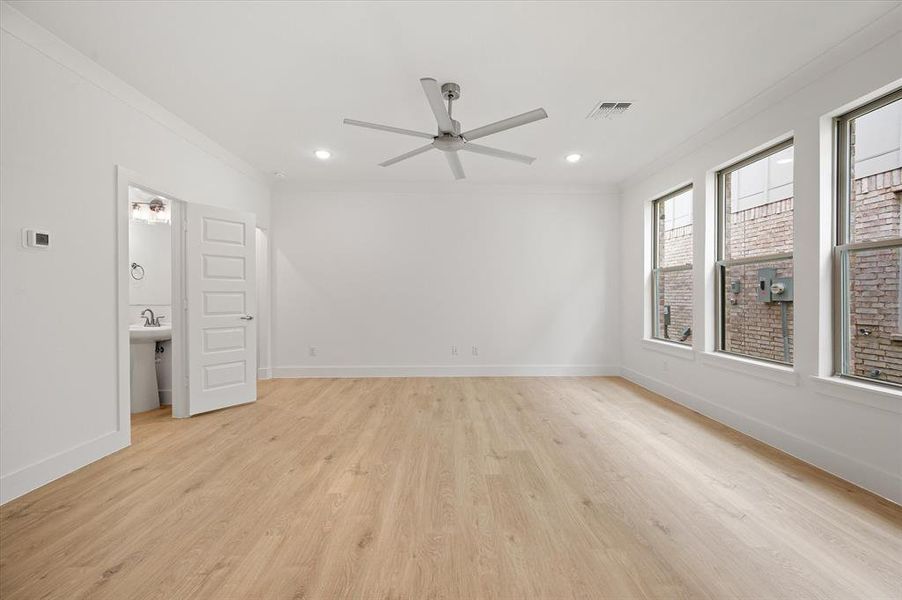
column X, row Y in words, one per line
column 247, row 317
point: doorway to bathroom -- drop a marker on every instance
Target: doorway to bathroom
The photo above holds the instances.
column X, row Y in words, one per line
column 187, row 303
column 150, row 272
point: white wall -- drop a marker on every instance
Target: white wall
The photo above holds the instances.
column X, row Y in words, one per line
column 385, row 282
column 65, row 124
column 848, row 430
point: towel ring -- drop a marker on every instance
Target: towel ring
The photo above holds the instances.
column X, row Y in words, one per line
column 137, row 271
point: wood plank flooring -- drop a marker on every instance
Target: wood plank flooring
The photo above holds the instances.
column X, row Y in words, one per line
column 448, row 488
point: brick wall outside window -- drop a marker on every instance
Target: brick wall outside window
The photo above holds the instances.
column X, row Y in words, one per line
column 755, row 328
column 875, row 330
column 675, row 288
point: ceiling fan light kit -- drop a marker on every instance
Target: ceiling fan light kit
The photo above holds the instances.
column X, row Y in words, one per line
column 449, row 139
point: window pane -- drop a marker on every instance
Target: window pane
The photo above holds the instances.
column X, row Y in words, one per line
column 758, row 207
column 876, row 174
column 675, row 230
column 757, row 322
column 874, row 335
column 673, row 306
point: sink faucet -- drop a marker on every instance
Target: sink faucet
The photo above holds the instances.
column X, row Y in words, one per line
column 150, row 321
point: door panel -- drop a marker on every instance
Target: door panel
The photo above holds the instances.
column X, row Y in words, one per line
column 221, row 291
column 223, row 267
column 219, row 339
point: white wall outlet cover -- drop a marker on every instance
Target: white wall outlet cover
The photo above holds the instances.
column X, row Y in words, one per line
column 35, row 238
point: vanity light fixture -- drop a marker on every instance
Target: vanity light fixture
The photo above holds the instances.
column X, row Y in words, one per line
column 153, row 211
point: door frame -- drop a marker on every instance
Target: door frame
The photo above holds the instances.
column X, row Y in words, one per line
column 264, row 302
column 126, row 178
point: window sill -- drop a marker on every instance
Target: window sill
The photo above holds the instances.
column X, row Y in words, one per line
column 860, row 392
column 753, row 368
column 669, row 348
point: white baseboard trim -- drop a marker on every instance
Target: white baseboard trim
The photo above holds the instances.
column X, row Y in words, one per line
column 264, row 373
column 19, row 483
column 883, row 483
column 359, row 371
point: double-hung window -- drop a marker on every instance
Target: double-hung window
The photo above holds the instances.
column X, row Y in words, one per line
column 672, row 267
column 868, row 252
column 754, row 267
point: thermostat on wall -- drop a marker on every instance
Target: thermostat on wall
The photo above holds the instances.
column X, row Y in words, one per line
column 35, row 238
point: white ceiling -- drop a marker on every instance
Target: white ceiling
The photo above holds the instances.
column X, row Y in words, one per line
column 271, row 81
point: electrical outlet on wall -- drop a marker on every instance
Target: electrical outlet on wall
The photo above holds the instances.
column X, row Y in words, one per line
column 312, row 351
column 453, row 350
column 474, row 350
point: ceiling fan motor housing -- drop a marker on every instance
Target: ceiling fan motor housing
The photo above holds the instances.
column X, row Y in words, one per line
column 448, row 142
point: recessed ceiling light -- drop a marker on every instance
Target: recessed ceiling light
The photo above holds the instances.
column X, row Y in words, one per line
column 323, row 154
column 574, row 158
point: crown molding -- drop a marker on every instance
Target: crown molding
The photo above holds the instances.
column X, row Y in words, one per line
column 43, row 41
column 877, row 32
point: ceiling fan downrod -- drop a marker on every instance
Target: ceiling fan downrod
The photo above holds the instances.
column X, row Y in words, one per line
column 451, row 92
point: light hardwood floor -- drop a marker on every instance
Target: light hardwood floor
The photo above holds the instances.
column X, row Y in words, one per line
column 448, row 488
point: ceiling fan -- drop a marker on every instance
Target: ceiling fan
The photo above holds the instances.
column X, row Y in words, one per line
column 450, row 139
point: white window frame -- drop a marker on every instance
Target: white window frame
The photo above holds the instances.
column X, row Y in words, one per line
column 843, row 244
column 656, row 269
column 721, row 264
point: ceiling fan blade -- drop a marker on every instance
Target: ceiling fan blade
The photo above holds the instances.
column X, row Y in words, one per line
column 527, row 117
column 388, row 128
column 437, row 104
column 406, row 155
column 454, row 163
column 478, row 149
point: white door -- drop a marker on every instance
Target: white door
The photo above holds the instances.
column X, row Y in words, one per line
column 221, row 290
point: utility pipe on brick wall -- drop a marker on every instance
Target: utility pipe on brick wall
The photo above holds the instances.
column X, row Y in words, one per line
column 785, row 325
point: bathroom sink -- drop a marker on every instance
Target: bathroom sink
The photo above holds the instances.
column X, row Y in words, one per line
column 145, row 391
column 140, row 333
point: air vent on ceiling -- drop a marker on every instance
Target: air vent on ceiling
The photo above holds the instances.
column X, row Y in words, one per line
column 608, row 110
